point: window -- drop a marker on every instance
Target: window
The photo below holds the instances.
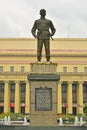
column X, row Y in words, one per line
column 2, row 87
column 1, row 69
column 74, row 111
column 85, row 69
column 74, row 93
column 64, row 93
column 11, row 68
column 63, row 110
column 22, row 90
column 12, row 86
column 85, row 93
column 2, row 91
column 64, row 69
column 23, row 87
column 12, row 92
column 75, row 69
column 22, row 68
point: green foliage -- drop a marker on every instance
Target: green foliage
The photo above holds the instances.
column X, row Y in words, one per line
column 85, row 117
column 85, row 107
column 79, row 115
column 69, row 118
column 14, row 116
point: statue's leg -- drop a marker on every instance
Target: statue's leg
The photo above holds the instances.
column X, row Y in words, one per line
column 39, row 49
column 47, row 49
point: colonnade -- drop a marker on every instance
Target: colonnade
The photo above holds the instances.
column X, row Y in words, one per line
column 17, row 103
column 59, row 97
column 70, row 104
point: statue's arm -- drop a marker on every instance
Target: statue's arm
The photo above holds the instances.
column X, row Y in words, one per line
column 33, row 30
column 53, row 30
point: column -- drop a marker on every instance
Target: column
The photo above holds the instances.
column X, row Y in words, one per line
column 27, row 98
column 59, row 98
column 17, row 97
column 7, row 98
column 69, row 98
column 80, row 98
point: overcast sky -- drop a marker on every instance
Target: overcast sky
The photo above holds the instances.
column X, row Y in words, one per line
column 68, row 16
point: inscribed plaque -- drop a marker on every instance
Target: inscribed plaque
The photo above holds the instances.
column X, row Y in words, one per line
column 43, row 99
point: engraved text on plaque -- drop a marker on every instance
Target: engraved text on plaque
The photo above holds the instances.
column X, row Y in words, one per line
column 43, row 99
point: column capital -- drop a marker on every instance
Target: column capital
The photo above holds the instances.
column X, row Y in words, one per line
column 16, row 81
column 6, row 81
column 70, row 82
column 27, row 82
column 80, row 82
column 60, row 82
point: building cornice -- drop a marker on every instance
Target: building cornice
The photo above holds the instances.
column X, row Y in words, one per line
column 17, row 39
column 59, row 51
column 33, row 39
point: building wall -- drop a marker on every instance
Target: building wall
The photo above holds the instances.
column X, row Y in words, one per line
column 16, row 54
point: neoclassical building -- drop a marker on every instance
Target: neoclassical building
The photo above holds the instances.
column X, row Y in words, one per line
column 16, row 54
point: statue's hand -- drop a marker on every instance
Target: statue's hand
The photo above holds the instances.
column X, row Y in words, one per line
column 51, row 34
column 35, row 36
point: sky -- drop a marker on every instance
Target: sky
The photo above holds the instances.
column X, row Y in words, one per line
column 68, row 16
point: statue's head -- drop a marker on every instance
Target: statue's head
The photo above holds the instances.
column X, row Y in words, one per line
column 42, row 12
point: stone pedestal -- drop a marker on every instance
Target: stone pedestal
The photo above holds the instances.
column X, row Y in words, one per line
column 43, row 79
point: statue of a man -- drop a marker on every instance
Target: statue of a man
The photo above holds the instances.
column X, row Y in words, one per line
column 43, row 29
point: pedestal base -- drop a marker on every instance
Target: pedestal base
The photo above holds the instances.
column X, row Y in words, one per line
column 43, row 89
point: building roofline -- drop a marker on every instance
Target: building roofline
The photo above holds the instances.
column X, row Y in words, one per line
column 33, row 39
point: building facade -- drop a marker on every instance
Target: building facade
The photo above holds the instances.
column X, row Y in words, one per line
column 16, row 54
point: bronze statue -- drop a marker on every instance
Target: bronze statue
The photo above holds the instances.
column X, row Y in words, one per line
column 41, row 31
